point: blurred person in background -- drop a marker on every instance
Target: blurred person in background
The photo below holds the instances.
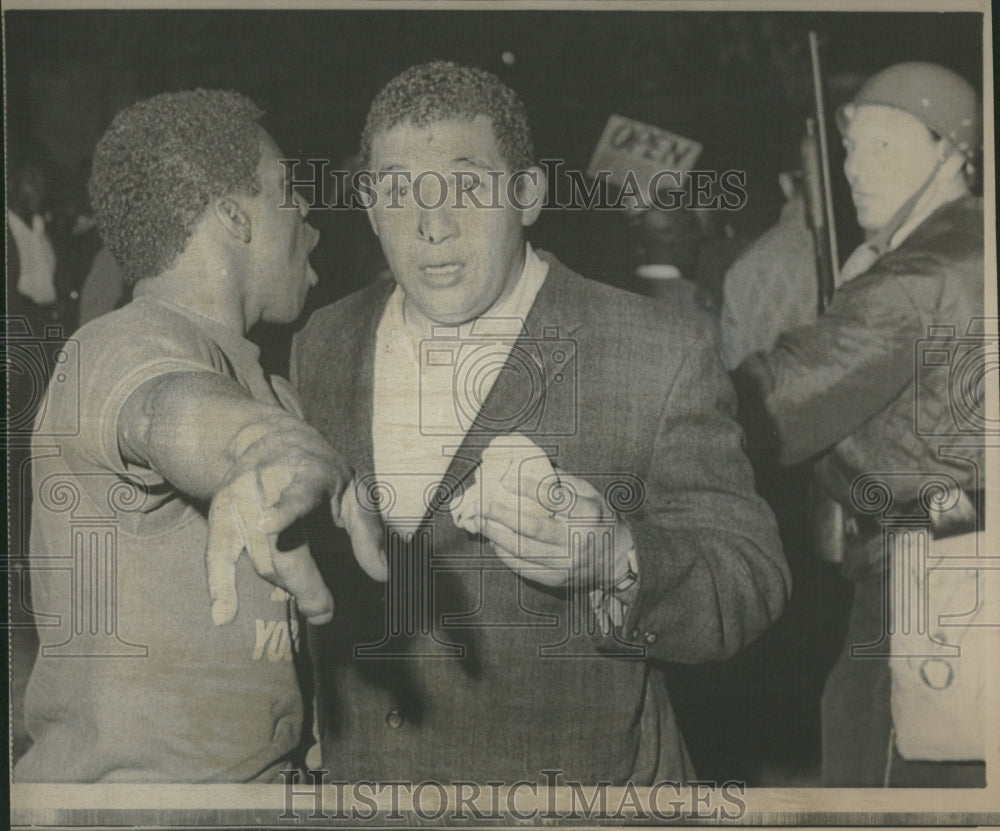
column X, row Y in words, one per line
column 31, row 257
column 665, row 252
column 772, row 287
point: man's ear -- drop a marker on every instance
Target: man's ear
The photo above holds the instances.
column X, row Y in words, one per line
column 234, row 219
column 530, row 187
column 952, row 162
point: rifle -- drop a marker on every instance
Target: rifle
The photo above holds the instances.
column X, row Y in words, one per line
column 817, row 185
column 828, row 515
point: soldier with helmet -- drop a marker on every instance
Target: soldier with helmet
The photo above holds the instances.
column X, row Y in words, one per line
column 843, row 391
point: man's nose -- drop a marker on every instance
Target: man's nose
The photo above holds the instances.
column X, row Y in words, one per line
column 436, row 224
column 855, row 167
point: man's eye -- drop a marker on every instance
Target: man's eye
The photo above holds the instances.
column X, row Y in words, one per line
column 393, row 194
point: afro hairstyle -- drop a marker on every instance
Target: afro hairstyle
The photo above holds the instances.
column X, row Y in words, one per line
column 161, row 163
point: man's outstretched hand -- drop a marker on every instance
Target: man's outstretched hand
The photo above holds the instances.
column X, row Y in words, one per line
column 234, row 527
column 282, row 472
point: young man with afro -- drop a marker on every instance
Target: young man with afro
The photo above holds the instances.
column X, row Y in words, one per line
column 167, row 440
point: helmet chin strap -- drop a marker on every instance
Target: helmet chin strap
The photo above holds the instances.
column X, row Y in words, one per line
column 881, row 241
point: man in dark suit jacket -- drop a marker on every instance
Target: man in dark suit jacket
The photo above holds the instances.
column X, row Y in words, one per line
column 563, row 486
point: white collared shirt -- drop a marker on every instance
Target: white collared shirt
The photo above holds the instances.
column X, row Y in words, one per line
column 427, row 391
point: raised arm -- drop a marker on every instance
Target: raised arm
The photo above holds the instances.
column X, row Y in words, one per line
column 262, row 467
column 860, row 351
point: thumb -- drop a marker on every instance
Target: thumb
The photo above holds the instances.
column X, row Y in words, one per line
column 367, row 536
column 296, row 572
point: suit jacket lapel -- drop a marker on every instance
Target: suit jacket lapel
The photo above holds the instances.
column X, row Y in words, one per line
column 360, row 386
column 549, row 318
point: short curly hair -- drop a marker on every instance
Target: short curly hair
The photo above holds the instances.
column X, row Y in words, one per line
column 161, row 163
column 443, row 90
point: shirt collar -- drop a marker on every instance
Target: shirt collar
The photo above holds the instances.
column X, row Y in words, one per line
column 240, row 351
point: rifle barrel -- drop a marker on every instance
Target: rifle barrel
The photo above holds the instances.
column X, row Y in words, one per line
column 824, row 152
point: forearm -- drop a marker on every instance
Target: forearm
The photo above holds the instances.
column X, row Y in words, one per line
column 821, row 382
column 191, row 427
column 712, row 573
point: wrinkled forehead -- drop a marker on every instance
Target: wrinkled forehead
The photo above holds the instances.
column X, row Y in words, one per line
column 441, row 141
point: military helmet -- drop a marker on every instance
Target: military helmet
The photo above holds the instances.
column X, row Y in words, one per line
column 944, row 101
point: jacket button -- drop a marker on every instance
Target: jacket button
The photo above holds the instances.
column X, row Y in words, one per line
column 395, row 719
column 650, row 638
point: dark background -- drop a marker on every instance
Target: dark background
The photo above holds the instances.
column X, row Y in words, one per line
column 738, row 83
